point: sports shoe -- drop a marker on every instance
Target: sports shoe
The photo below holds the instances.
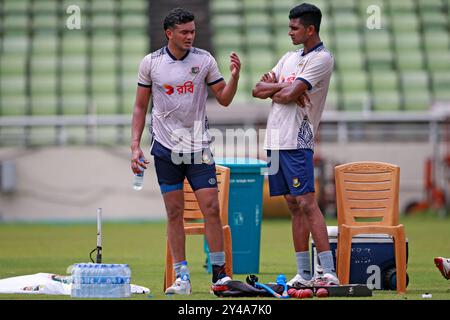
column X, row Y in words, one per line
column 443, row 264
column 328, row 279
column 298, row 281
column 222, row 281
column 180, row 287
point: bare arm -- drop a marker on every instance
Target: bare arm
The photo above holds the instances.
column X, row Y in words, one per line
column 137, row 126
column 267, row 86
column 224, row 92
column 264, row 90
column 290, row 93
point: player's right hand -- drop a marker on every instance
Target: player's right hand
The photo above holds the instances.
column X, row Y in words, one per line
column 136, row 155
column 269, row 77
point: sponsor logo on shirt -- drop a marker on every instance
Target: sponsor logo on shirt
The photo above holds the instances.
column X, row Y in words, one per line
column 195, row 70
column 169, row 89
column 290, row 78
column 187, row 87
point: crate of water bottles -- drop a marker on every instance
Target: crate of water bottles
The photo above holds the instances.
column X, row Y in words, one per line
column 99, row 280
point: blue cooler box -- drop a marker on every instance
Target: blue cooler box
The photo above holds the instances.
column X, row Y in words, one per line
column 372, row 260
column 244, row 212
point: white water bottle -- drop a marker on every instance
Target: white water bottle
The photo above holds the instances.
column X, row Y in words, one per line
column 138, row 179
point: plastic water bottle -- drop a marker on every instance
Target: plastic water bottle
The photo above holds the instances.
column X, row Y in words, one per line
column 96, row 292
column 127, row 284
column 138, row 179
column 76, row 281
column 89, row 288
column 101, row 280
column 109, row 287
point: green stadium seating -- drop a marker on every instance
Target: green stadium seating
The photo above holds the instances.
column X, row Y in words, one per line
column 409, row 60
column 385, row 90
column 354, row 81
column 346, row 21
column 441, row 85
column 438, row 60
column 356, row 101
column 402, row 66
column 401, row 6
column 225, row 6
column 39, row 39
column 415, row 87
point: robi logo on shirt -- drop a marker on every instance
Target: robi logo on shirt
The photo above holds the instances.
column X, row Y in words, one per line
column 290, row 78
column 187, row 87
column 169, row 89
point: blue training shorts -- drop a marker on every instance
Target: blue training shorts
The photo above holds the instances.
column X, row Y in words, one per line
column 295, row 174
column 199, row 168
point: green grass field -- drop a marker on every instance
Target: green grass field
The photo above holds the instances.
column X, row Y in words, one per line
column 32, row 248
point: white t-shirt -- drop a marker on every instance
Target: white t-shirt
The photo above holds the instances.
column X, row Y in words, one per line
column 179, row 90
column 290, row 126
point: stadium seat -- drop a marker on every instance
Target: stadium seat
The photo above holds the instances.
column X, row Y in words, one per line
column 438, row 60
column 415, row 86
column 225, row 6
column 434, row 21
column 349, row 61
column 385, row 90
column 367, row 203
column 342, row 5
column 430, row 5
column 401, row 6
column 332, row 96
column 441, row 83
column 402, row 21
column 348, row 41
column 192, row 214
column 346, row 21
column 135, row 6
column 380, row 60
column 408, row 60
column 354, row 81
column 356, row 101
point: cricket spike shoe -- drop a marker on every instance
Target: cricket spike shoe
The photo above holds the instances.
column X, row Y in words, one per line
column 443, row 264
column 180, row 286
column 298, row 281
column 326, row 280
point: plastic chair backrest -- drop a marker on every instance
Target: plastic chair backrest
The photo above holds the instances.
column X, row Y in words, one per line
column 191, row 207
column 367, row 193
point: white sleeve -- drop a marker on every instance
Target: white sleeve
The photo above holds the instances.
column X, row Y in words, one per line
column 214, row 76
column 279, row 66
column 316, row 69
column 144, row 74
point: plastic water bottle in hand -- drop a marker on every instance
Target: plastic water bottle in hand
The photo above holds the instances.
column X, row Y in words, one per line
column 138, row 179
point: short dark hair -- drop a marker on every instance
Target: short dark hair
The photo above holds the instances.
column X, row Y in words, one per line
column 308, row 14
column 177, row 16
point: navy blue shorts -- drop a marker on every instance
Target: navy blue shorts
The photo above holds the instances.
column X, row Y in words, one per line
column 172, row 168
column 295, row 174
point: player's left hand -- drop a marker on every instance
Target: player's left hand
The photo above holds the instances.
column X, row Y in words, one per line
column 301, row 101
column 235, row 65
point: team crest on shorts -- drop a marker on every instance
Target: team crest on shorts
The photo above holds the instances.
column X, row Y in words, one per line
column 212, row 181
column 296, row 182
column 195, row 70
column 206, row 159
